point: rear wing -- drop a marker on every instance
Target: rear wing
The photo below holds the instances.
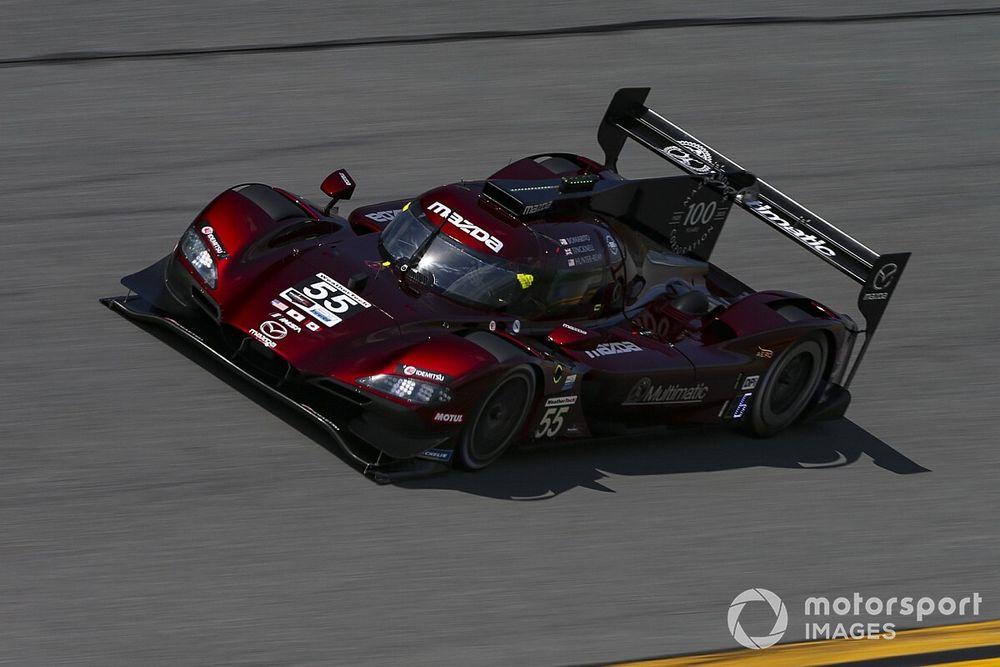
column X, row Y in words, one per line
column 628, row 117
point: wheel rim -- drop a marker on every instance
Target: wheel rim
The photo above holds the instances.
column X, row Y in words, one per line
column 791, row 382
column 794, row 382
column 499, row 418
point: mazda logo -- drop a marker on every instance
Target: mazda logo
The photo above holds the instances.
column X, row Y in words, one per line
column 274, row 330
column 885, row 276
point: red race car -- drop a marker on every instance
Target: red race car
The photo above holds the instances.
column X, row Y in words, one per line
column 555, row 299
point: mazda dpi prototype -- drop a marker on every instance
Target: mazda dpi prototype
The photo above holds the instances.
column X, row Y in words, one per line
column 556, row 299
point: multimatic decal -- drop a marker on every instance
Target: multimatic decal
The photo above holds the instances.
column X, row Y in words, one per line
column 644, row 392
column 806, row 239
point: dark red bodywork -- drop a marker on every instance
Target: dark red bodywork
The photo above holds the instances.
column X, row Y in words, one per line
column 611, row 371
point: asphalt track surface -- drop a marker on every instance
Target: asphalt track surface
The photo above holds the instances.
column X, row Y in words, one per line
column 153, row 511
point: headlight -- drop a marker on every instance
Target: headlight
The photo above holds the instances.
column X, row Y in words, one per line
column 196, row 252
column 408, row 389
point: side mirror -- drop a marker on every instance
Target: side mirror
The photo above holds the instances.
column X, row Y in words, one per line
column 338, row 185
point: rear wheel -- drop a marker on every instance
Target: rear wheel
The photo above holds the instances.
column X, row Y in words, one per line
column 496, row 421
column 789, row 386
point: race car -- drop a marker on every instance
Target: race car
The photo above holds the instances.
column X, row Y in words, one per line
column 553, row 300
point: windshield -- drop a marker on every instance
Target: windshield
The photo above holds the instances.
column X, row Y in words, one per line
column 437, row 262
column 402, row 237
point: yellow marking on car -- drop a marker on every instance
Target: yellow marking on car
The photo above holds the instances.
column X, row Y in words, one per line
column 526, row 280
column 913, row 643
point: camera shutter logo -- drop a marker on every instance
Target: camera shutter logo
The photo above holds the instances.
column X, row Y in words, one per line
column 780, row 622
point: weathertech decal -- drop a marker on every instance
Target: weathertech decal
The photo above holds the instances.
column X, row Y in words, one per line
column 560, row 401
column 467, row 226
column 808, row 240
column 554, row 417
column 644, row 392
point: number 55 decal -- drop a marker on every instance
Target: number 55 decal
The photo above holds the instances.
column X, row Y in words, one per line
column 554, row 417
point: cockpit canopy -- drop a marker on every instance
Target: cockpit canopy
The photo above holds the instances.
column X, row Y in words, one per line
column 561, row 270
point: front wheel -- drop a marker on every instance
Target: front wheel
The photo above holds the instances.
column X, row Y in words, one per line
column 789, row 385
column 496, row 421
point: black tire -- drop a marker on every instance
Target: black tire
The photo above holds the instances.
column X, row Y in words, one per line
column 496, row 421
column 789, row 386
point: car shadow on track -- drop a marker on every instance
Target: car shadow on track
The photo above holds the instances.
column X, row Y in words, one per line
column 545, row 472
column 542, row 473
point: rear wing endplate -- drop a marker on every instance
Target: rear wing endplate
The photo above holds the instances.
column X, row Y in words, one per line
column 628, row 117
